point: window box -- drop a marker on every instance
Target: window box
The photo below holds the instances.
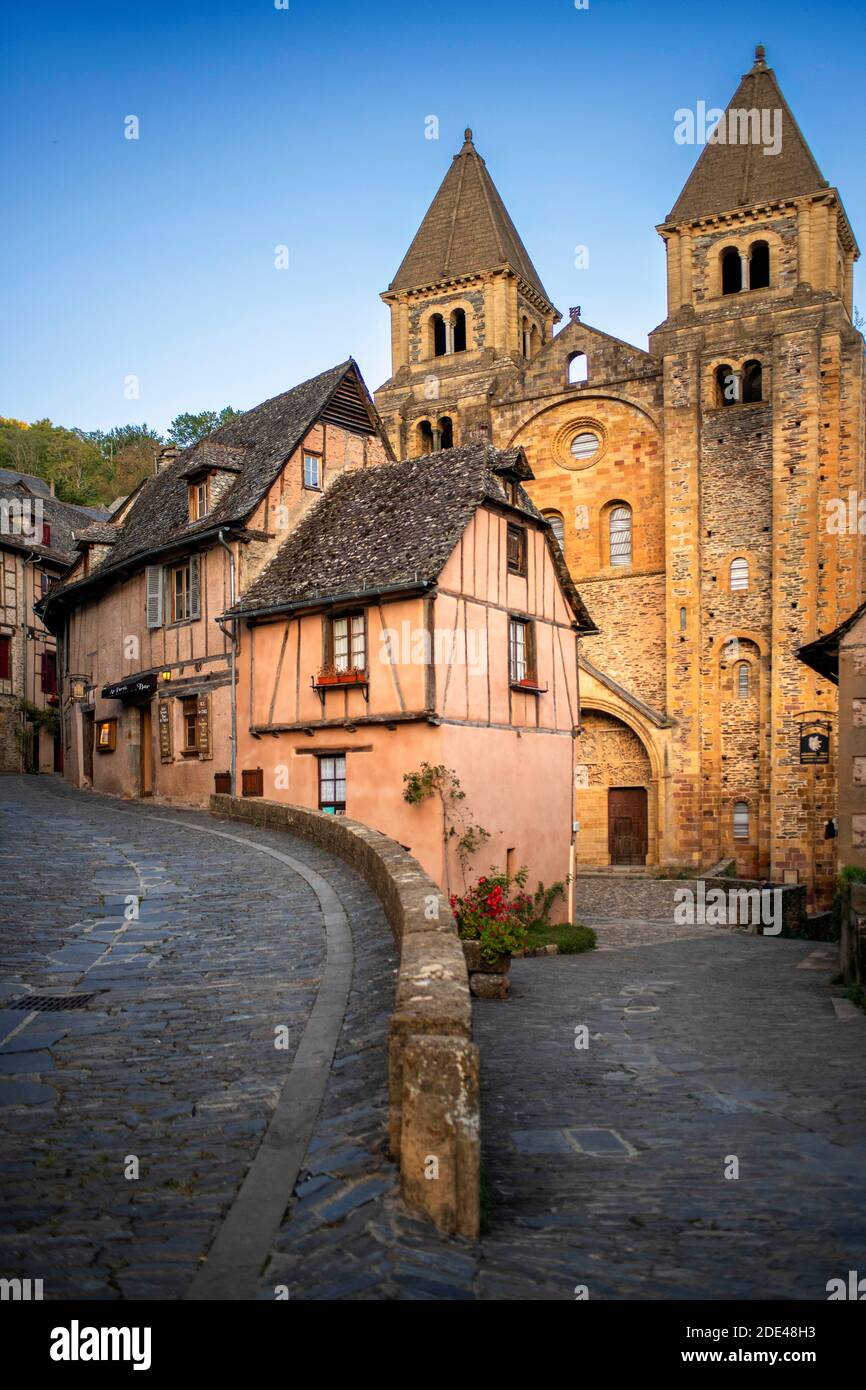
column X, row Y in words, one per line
column 330, row 677
column 530, row 684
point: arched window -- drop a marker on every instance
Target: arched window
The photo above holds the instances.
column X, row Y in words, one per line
column 682, row 620
column 438, row 336
column 578, row 368
column 446, row 433
column 619, row 530
column 759, row 265
column 727, row 385
column 732, row 271
column 425, row 437
column 741, row 820
column 753, row 384
column 743, row 680
column 557, row 526
column 739, row 575
column 457, row 325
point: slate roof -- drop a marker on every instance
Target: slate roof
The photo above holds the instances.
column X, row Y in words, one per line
column 258, row 442
column 37, row 486
column 380, row 529
column 465, row 231
column 98, row 532
column 822, row 655
column 66, row 522
column 732, row 176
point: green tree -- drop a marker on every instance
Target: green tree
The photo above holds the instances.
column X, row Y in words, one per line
column 188, row 429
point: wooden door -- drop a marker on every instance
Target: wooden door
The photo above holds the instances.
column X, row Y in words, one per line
column 627, row 825
column 146, row 753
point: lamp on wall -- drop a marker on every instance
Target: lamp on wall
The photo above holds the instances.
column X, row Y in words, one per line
column 165, row 675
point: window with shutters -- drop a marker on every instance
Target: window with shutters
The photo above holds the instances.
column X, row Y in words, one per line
column 741, row 820
column 46, row 533
column 739, row 574
column 49, row 673
column 153, row 587
column 620, row 534
column 190, row 727
column 516, row 549
column 183, row 590
column 332, row 783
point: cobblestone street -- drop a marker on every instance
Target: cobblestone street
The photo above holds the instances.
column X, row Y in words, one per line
column 604, row 1166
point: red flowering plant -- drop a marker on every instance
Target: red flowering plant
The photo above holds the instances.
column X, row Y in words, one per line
column 495, row 913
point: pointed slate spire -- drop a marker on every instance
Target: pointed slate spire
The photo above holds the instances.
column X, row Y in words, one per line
column 466, row 231
column 740, row 174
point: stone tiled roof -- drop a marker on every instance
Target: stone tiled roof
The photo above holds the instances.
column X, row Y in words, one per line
column 729, row 176
column 37, row 486
column 98, row 532
column 210, row 454
column 259, row 441
column 379, row 529
column 466, row 231
column 65, row 520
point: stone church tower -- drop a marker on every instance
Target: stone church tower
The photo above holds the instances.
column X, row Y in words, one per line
column 692, row 486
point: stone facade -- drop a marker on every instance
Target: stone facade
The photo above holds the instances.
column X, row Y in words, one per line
column 727, row 443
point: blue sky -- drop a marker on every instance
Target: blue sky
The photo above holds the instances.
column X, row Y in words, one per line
column 261, row 127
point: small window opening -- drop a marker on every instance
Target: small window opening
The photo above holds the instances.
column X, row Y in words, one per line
column 759, row 265
column 732, row 271
column 620, row 535
column 753, row 385
column 578, row 369
column 439, row 336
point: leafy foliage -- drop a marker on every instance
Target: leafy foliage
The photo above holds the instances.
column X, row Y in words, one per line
column 188, row 429
column 493, row 914
column 457, row 827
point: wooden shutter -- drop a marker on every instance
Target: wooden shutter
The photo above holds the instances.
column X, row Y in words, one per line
column 164, row 719
column 203, row 737
column 154, row 595
column 42, row 673
column 194, row 588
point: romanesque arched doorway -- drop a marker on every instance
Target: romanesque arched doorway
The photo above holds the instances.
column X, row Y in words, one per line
column 616, row 794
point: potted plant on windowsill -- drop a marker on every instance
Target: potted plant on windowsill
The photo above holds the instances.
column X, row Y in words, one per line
column 329, row 675
column 529, row 683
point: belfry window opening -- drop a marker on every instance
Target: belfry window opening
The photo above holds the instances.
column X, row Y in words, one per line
column 448, row 336
column 759, row 265
column 732, row 271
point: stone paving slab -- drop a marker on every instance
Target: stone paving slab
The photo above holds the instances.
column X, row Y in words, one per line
column 604, row 1167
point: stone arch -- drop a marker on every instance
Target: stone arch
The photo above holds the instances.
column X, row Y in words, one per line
column 617, row 773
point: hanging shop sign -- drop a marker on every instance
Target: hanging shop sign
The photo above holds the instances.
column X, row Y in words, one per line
column 815, row 742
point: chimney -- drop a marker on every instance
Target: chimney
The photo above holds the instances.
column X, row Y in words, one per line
column 51, row 487
column 167, row 455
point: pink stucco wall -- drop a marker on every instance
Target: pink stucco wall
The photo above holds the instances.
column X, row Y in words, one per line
column 512, row 751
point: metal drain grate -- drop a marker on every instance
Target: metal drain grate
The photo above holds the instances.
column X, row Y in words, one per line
column 49, row 1003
